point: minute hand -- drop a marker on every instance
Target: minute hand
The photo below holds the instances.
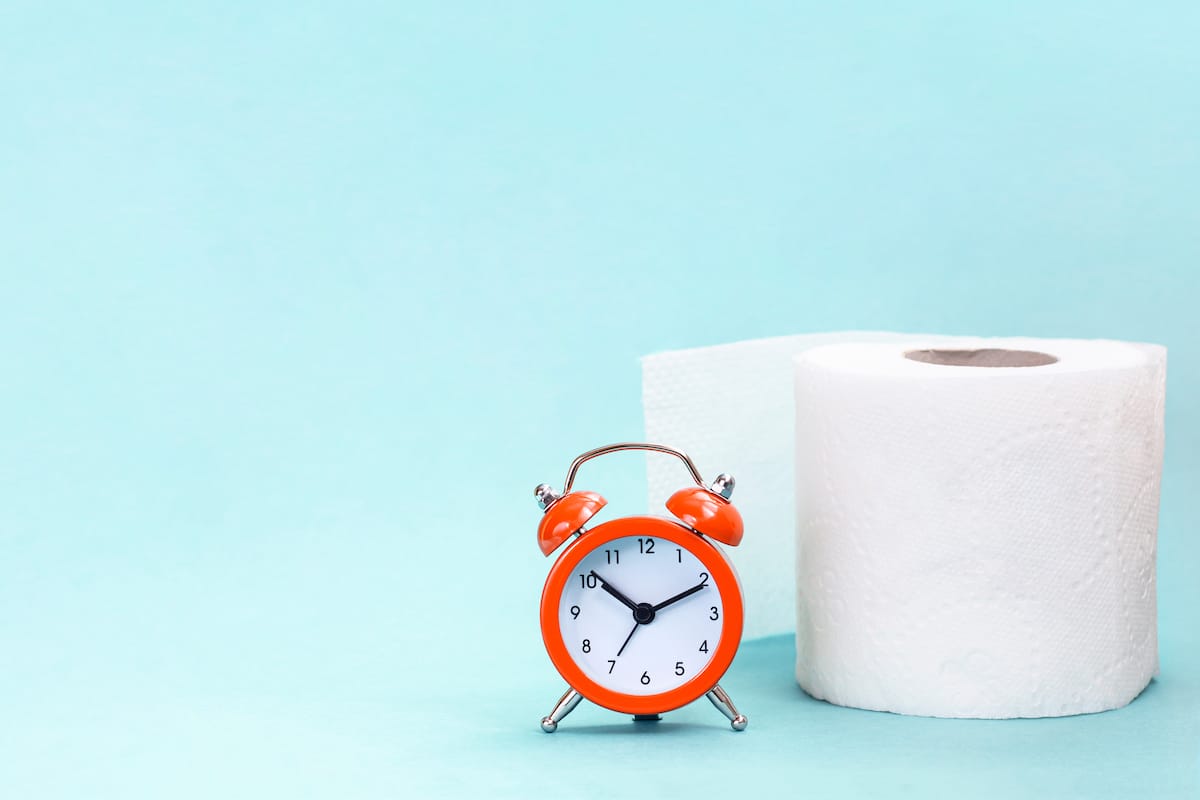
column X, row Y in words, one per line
column 680, row 596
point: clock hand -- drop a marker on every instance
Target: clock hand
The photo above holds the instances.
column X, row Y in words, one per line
column 680, row 596
column 636, row 625
column 606, row 586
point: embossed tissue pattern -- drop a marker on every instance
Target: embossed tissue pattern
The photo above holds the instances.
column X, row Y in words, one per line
column 978, row 548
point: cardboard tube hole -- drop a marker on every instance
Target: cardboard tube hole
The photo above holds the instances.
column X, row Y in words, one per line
column 986, row 357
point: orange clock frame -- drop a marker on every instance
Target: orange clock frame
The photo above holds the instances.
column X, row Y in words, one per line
column 722, row 574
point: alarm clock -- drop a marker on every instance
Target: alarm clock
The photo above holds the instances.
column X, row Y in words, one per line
column 642, row 614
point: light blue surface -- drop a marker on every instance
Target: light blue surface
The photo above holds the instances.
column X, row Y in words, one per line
column 299, row 302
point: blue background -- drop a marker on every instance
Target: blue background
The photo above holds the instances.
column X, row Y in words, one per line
column 300, row 301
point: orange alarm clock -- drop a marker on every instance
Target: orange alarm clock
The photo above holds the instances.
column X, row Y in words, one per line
column 641, row 615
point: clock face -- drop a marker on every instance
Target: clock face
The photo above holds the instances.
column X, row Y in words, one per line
column 640, row 615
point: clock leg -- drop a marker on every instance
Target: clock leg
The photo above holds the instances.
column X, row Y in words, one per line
column 565, row 705
column 719, row 698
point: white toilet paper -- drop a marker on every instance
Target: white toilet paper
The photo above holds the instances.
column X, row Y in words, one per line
column 1026, row 590
column 978, row 541
column 730, row 408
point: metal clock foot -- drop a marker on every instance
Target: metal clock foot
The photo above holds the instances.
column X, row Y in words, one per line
column 720, row 698
column 565, row 705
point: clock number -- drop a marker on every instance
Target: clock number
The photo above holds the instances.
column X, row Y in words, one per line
column 678, row 667
column 679, row 554
column 574, row 612
column 704, row 578
column 715, row 614
column 645, row 679
column 646, row 546
column 611, row 664
column 704, row 646
column 587, row 645
column 613, row 556
column 587, row 581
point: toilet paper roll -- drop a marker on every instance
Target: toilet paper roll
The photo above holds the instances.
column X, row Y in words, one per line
column 976, row 524
column 730, row 408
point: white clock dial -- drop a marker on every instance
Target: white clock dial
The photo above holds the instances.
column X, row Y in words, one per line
column 641, row 615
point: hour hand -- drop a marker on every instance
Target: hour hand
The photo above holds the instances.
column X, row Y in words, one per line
column 606, row 586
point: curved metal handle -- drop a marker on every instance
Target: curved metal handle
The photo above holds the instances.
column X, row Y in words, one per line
column 616, row 448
